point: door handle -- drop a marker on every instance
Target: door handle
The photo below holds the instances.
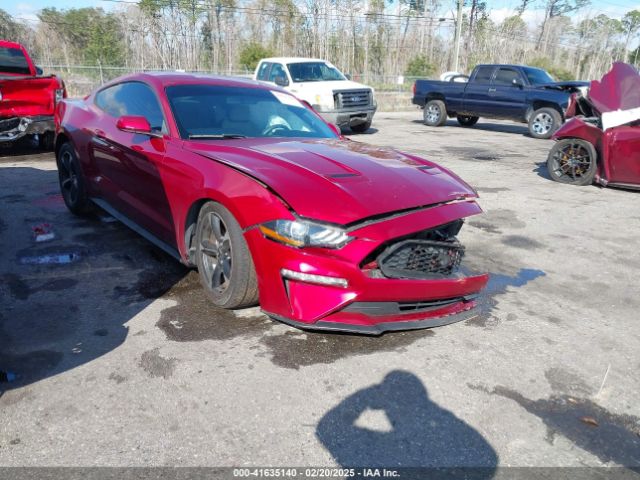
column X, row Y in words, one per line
column 99, row 133
column 491, row 90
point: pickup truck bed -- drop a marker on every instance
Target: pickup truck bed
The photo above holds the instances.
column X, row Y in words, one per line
column 512, row 92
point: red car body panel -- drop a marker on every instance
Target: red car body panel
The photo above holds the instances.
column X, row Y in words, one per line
column 26, row 99
column 618, row 148
column 378, row 195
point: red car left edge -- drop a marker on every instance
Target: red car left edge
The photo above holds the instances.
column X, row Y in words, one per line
column 250, row 186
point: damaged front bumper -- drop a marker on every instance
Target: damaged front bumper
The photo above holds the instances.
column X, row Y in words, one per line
column 295, row 287
column 14, row 128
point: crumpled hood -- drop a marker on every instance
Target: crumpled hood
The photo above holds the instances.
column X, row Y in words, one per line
column 617, row 96
column 338, row 181
column 619, row 89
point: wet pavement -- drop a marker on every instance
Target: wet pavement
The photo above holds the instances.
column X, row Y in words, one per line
column 121, row 360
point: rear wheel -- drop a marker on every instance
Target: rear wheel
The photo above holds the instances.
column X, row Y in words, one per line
column 72, row 185
column 467, row 120
column 361, row 127
column 544, row 122
column 435, row 113
column 45, row 141
column 224, row 262
column 572, row 161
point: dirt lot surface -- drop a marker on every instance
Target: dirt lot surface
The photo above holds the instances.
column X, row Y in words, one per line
column 122, row 361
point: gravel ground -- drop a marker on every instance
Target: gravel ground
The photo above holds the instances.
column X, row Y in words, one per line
column 123, row 363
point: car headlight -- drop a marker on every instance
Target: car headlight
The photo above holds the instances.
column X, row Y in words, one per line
column 300, row 233
column 324, row 102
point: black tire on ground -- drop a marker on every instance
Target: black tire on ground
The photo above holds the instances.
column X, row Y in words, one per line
column 573, row 161
column 46, row 140
column 435, row 113
column 72, row 183
column 467, row 120
column 224, row 261
column 544, row 122
column 361, row 127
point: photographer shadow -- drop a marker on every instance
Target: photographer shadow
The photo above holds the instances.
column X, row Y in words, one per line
column 421, row 434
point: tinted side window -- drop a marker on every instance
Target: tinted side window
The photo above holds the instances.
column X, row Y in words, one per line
column 483, row 75
column 131, row 98
column 277, row 70
column 12, row 60
column 263, row 70
column 506, row 76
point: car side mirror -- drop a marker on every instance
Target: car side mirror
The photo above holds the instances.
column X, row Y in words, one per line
column 39, row 71
column 347, row 76
column 517, row 83
column 281, row 81
column 335, row 129
column 135, row 124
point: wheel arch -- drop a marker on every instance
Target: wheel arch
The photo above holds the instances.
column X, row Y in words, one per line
column 538, row 104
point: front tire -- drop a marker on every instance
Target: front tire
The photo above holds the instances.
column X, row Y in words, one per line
column 72, row 184
column 361, row 127
column 573, row 161
column 544, row 122
column 467, row 120
column 224, row 261
column 435, row 113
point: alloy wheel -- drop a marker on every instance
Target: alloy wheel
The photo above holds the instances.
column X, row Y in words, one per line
column 215, row 249
column 69, row 178
column 433, row 114
column 571, row 162
column 542, row 123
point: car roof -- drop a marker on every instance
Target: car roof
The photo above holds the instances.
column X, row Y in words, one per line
column 505, row 65
column 165, row 79
column 9, row 44
column 293, row 60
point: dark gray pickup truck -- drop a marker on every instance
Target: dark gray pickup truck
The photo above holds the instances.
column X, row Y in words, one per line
column 513, row 92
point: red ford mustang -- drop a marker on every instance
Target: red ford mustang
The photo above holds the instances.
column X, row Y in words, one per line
column 270, row 203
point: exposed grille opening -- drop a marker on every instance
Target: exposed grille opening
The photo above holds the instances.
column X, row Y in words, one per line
column 9, row 123
column 433, row 253
column 352, row 98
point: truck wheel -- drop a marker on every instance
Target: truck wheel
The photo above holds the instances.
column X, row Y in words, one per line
column 71, row 180
column 544, row 122
column 467, row 120
column 573, row 161
column 435, row 113
column 361, row 127
column 45, row 141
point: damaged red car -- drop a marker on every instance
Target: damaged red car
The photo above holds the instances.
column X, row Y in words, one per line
column 601, row 143
column 270, row 204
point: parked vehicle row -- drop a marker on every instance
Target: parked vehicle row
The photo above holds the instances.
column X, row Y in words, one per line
column 27, row 98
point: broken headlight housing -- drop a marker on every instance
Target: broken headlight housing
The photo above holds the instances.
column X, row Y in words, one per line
column 59, row 95
column 301, row 233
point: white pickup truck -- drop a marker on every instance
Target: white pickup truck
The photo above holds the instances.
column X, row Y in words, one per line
column 327, row 89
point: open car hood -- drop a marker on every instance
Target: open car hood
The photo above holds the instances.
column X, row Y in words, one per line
column 339, row 181
column 572, row 86
column 617, row 96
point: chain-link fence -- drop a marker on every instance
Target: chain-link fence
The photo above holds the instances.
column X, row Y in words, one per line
column 392, row 92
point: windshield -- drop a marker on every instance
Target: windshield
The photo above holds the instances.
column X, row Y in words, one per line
column 314, row 72
column 12, row 60
column 224, row 112
column 538, row 76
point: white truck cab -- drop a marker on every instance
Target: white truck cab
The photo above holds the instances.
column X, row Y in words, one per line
column 327, row 89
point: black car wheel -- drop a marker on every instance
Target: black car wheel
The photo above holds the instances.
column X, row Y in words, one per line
column 361, row 127
column 224, row 262
column 71, row 180
column 467, row 120
column 544, row 122
column 435, row 113
column 572, row 161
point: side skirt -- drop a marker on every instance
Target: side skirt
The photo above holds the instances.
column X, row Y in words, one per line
column 137, row 228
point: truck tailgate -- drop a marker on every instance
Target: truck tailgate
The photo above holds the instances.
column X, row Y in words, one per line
column 27, row 96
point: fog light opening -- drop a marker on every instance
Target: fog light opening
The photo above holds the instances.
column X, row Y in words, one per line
column 317, row 279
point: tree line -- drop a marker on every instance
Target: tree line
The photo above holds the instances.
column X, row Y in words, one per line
column 376, row 40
